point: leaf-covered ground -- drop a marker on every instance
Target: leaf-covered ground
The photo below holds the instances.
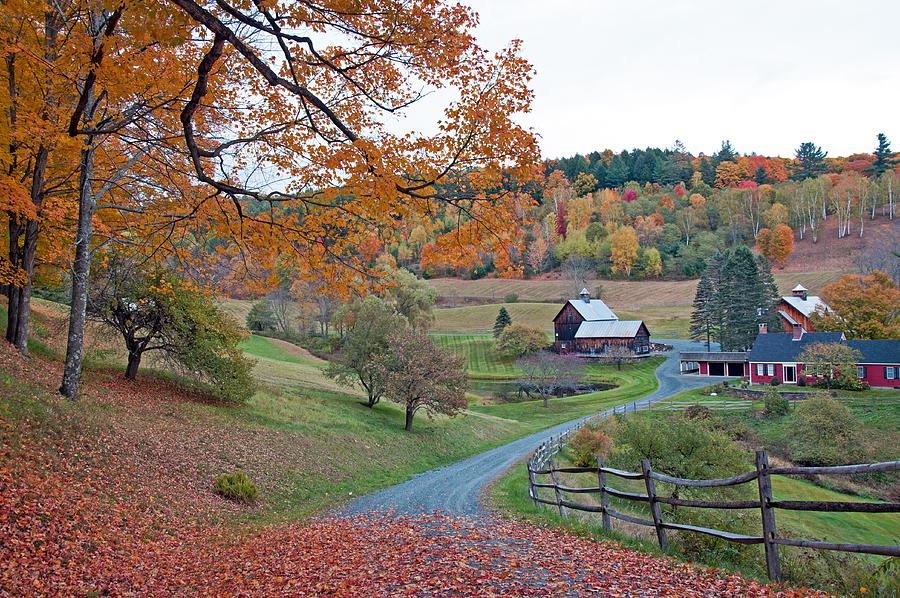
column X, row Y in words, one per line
column 114, row 503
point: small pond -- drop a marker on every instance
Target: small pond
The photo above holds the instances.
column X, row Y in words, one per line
column 507, row 391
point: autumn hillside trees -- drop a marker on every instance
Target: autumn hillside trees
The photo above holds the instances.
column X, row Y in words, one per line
column 311, row 171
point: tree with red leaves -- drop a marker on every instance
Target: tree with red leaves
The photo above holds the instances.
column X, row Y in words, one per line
column 561, row 223
column 420, row 375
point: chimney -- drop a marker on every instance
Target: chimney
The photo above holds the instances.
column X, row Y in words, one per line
column 763, row 328
column 798, row 332
column 585, row 295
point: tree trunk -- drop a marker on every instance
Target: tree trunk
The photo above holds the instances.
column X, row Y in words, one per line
column 134, row 362
column 12, row 312
column 410, row 413
column 81, row 270
column 29, row 251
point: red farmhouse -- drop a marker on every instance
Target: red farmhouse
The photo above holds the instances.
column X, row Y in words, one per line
column 775, row 356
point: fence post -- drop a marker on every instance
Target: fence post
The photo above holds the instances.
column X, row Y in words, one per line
column 562, row 512
column 532, row 491
column 773, row 565
column 655, row 509
column 604, row 497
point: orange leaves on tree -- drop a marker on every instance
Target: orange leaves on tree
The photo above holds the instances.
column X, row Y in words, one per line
column 776, row 244
column 865, row 307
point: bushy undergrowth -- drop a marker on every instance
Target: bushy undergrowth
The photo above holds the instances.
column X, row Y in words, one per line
column 589, row 443
column 775, row 404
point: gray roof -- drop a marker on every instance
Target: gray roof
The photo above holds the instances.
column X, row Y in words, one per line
column 809, row 306
column 781, row 346
column 787, row 317
column 594, row 310
column 609, row 329
column 880, row 351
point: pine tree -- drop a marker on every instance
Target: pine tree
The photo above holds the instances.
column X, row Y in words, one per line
column 810, row 161
column 740, row 300
column 708, row 172
column 769, row 296
column 706, row 317
column 703, row 314
column 726, row 153
column 883, row 157
column 503, row 320
column 761, row 177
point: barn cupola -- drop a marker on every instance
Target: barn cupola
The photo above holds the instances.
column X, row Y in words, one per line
column 800, row 291
column 585, row 295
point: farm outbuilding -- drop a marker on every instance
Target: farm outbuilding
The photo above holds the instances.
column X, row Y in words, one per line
column 589, row 326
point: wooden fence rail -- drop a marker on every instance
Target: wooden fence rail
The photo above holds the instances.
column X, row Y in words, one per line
column 544, row 462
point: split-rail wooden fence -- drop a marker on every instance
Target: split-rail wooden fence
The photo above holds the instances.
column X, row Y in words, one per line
column 544, row 462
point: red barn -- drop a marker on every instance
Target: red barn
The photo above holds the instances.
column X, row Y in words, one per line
column 796, row 309
column 588, row 326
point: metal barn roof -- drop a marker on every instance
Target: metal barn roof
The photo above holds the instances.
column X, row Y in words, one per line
column 593, row 310
column 609, row 329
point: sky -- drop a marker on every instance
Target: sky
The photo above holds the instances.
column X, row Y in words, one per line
column 766, row 75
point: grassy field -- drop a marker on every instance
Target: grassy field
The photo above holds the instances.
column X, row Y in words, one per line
column 616, row 293
column 305, row 440
column 663, row 322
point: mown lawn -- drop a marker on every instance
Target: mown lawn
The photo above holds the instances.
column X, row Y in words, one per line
column 478, row 350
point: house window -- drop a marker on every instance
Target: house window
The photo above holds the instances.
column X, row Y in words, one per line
column 889, row 373
column 759, row 369
column 770, row 369
column 860, row 372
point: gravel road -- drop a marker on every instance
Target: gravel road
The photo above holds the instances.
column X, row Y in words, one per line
column 455, row 488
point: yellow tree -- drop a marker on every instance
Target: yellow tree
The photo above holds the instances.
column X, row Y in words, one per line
column 864, row 307
column 729, row 174
column 624, row 247
column 776, row 244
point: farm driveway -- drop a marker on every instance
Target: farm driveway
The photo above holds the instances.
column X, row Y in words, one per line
column 456, row 488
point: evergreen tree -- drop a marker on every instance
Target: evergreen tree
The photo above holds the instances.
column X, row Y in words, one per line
column 883, row 157
column 618, row 174
column 740, row 300
column 703, row 314
column 760, row 176
column 769, row 296
column 725, row 154
column 503, row 320
column 708, row 171
column 810, row 161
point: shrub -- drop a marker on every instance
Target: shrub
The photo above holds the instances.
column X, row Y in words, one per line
column 678, row 447
column 235, row 486
column 801, row 381
column 518, row 340
column 697, row 411
column 775, row 404
column 511, row 298
column 823, row 433
column 775, row 382
column 260, row 317
column 588, row 444
column 843, row 384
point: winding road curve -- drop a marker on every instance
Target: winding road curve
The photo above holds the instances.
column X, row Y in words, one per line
column 456, row 488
